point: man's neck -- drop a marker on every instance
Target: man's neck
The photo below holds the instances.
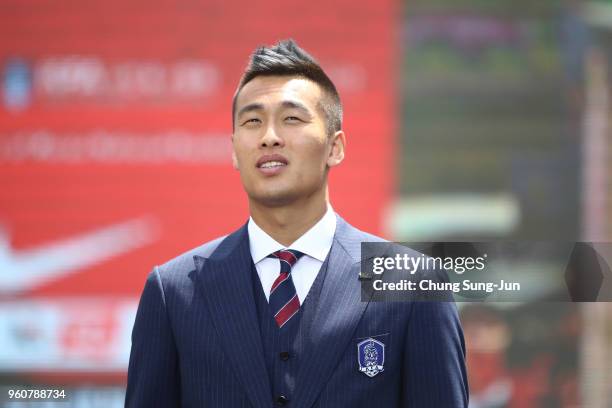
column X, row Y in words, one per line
column 286, row 224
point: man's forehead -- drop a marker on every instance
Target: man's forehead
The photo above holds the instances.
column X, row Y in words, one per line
column 272, row 89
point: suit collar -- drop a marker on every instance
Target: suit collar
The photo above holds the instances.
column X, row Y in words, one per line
column 349, row 238
column 225, row 282
column 338, row 312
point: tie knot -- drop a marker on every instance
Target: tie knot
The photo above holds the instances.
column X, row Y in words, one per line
column 290, row 256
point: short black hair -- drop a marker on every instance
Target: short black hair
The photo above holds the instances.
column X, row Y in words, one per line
column 286, row 58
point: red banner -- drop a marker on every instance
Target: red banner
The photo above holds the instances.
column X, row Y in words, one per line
column 115, row 126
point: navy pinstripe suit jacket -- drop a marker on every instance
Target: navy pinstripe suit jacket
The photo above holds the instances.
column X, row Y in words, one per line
column 196, row 340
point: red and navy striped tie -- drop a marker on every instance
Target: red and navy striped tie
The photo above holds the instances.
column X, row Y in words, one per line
column 284, row 301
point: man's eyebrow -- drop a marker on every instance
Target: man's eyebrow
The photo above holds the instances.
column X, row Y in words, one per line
column 285, row 104
column 295, row 105
column 249, row 108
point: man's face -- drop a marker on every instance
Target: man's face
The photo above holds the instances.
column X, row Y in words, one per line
column 280, row 144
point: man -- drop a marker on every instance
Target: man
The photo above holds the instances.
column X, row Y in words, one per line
column 271, row 315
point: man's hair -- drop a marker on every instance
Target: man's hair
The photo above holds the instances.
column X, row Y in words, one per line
column 286, row 58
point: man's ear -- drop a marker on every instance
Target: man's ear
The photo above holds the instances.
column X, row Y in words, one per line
column 336, row 153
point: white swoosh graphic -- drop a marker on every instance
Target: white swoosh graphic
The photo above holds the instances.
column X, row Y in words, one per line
column 26, row 269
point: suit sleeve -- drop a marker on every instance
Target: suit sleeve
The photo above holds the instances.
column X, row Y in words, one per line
column 153, row 375
column 434, row 358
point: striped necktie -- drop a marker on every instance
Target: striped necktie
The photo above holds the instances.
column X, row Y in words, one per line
column 284, row 301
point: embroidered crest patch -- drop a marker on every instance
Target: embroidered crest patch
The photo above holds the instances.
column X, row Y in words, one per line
column 371, row 357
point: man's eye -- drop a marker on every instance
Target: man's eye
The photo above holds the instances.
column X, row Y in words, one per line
column 251, row 121
column 293, row 119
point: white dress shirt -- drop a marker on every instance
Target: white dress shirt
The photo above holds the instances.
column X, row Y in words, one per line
column 314, row 244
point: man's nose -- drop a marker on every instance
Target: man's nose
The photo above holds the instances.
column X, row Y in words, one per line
column 271, row 138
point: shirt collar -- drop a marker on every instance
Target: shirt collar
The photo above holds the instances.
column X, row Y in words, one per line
column 316, row 242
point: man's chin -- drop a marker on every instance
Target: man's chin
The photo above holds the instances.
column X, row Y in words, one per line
column 274, row 199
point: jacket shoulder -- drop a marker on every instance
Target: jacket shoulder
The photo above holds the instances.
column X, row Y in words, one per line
column 367, row 237
column 183, row 264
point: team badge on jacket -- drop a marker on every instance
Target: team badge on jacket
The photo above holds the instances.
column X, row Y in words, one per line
column 371, row 357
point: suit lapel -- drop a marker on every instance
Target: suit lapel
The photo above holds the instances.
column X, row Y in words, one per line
column 226, row 283
column 338, row 311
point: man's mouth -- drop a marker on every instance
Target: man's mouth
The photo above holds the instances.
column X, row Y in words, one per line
column 272, row 164
column 271, row 160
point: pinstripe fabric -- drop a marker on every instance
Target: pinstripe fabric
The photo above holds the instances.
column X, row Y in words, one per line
column 196, row 340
